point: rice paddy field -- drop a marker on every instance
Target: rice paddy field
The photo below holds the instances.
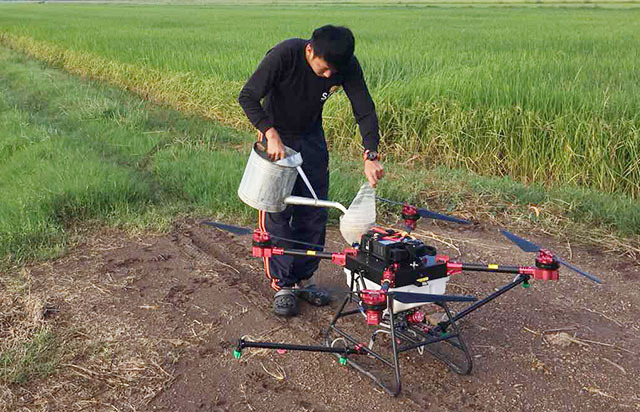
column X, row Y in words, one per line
column 484, row 111
column 544, row 95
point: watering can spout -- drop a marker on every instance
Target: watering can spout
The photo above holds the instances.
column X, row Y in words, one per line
column 306, row 201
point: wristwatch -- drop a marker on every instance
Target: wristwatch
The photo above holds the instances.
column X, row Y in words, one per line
column 371, row 155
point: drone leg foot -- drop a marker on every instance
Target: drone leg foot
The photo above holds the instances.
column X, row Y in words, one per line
column 237, row 352
column 452, row 339
column 334, row 330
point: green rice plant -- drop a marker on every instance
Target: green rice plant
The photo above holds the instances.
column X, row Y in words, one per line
column 70, row 152
column 541, row 95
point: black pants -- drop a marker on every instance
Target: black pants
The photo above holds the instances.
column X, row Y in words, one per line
column 304, row 223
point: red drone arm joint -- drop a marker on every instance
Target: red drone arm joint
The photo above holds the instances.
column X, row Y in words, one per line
column 410, row 216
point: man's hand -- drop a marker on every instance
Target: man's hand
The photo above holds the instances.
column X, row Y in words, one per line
column 374, row 171
column 275, row 148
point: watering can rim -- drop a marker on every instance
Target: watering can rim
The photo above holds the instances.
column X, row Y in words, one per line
column 293, row 159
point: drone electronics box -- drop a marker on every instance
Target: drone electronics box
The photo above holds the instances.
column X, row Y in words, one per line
column 416, row 261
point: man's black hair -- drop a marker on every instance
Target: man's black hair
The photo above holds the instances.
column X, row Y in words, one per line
column 334, row 44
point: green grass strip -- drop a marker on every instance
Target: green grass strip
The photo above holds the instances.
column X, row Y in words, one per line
column 73, row 150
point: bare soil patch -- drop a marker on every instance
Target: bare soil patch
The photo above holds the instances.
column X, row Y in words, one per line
column 148, row 323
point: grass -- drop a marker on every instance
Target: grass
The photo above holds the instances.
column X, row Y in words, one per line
column 29, row 348
column 71, row 151
column 546, row 96
column 74, row 151
column 55, row 345
column 35, row 358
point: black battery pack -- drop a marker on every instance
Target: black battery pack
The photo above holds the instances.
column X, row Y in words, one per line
column 415, row 261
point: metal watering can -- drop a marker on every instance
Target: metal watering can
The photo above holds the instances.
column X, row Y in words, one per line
column 267, row 186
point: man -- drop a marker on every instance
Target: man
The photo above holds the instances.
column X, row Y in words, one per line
column 296, row 78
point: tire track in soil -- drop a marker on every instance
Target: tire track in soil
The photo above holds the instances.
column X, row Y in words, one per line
column 205, row 246
column 427, row 383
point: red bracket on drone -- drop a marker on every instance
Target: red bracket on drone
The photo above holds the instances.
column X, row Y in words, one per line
column 386, row 233
column 261, row 245
column 389, row 277
column 410, row 216
column 350, row 251
column 546, row 267
column 340, row 259
column 360, row 347
column 373, row 303
column 453, row 268
column 266, row 251
column 416, row 317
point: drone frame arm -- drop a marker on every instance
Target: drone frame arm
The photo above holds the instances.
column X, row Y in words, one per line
column 268, row 250
column 242, row 343
column 538, row 273
column 522, row 278
column 535, row 272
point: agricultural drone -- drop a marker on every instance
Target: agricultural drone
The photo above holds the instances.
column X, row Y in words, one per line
column 392, row 276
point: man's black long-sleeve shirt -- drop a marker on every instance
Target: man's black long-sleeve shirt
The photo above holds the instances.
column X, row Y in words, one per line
column 294, row 95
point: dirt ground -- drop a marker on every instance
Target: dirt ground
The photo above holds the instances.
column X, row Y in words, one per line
column 152, row 320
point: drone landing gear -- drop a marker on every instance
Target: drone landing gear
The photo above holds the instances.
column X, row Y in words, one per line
column 403, row 336
column 444, row 341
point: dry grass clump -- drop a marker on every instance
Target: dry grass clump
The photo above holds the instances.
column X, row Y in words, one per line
column 56, row 354
column 28, row 346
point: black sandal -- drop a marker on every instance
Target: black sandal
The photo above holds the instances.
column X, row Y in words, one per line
column 315, row 296
column 285, row 303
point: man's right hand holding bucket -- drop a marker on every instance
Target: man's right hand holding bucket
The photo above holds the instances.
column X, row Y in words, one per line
column 275, row 147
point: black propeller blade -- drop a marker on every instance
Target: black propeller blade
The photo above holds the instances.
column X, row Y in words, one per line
column 393, row 202
column 236, row 230
column 246, row 231
column 580, row 271
column 521, row 243
column 412, row 297
column 429, row 214
column 527, row 246
column 439, row 216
